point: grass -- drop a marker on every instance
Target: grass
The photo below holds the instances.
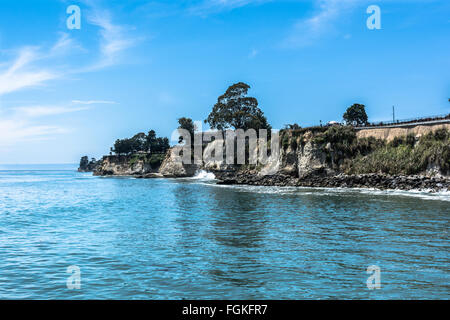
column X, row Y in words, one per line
column 403, row 155
column 154, row 160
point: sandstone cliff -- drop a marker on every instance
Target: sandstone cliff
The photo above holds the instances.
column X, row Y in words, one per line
column 124, row 166
column 390, row 134
column 313, row 157
column 173, row 167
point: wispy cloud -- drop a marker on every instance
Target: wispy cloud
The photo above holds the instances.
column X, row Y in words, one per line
column 206, row 7
column 20, row 124
column 65, row 45
column 23, row 71
column 16, row 130
column 21, row 74
column 114, row 39
column 306, row 31
column 93, row 102
column 39, row 111
column 32, row 66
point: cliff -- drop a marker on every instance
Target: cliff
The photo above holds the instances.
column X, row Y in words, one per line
column 320, row 156
column 173, row 168
column 138, row 164
column 87, row 165
column 337, row 157
column 390, row 134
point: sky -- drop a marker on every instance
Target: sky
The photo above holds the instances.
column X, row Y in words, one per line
column 138, row 65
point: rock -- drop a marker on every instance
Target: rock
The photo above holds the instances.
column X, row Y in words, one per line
column 123, row 166
column 173, row 166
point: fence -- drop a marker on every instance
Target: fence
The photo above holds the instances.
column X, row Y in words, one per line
column 408, row 121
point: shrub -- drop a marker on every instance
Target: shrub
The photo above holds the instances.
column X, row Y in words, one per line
column 405, row 155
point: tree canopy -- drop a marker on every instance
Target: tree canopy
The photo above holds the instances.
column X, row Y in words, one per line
column 141, row 143
column 235, row 110
column 186, row 124
column 84, row 161
column 356, row 115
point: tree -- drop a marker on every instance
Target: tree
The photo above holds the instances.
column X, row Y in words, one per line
column 84, row 162
column 186, row 124
column 151, row 140
column 356, row 115
column 123, row 146
column 161, row 145
column 294, row 126
column 234, row 109
column 139, row 142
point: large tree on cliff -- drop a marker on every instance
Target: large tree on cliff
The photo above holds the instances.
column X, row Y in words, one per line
column 139, row 142
column 356, row 115
column 123, row 146
column 186, row 124
column 235, row 110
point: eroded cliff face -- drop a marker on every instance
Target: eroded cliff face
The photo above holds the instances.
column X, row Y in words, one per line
column 306, row 153
column 300, row 158
column 123, row 166
column 172, row 167
column 339, row 150
column 389, row 134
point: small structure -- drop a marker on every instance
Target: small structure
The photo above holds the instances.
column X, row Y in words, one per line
column 333, row 123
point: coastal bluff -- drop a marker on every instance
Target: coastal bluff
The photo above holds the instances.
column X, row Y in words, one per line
column 336, row 156
column 390, row 133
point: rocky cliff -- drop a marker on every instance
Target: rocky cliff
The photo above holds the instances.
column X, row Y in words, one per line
column 127, row 165
column 390, row 134
column 334, row 156
column 173, row 167
column 87, row 165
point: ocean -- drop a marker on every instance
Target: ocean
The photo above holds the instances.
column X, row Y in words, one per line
column 69, row 235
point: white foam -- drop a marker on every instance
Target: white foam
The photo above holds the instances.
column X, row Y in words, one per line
column 320, row 191
column 204, row 175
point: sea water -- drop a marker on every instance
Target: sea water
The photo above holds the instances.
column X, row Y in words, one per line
column 193, row 239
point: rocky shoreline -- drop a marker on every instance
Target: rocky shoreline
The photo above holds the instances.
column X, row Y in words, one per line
column 378, row 181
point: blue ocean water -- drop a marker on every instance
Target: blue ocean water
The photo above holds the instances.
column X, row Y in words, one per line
column 190, row 239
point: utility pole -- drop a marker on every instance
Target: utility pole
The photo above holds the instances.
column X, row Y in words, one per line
column 393, row 114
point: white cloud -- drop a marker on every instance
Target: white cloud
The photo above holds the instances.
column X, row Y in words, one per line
column 306, row 31
column 93, row 102
column 23, row 71
column 113, row 39
column 35, row 66
column 213, row 6
column 39, row 111
column 15, row 131
column 22, row 75
column 19, row 124
column 64, row 45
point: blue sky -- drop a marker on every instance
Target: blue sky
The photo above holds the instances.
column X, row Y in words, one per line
column 140, row 65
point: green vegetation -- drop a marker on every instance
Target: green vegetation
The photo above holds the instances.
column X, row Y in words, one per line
column 235, row 110
column 349, row 154
column 356, row 115
column 340, row 143
column 141, row 143
column 84, row 161
column 406, row 155
column 186, row 124
column 154, row 159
